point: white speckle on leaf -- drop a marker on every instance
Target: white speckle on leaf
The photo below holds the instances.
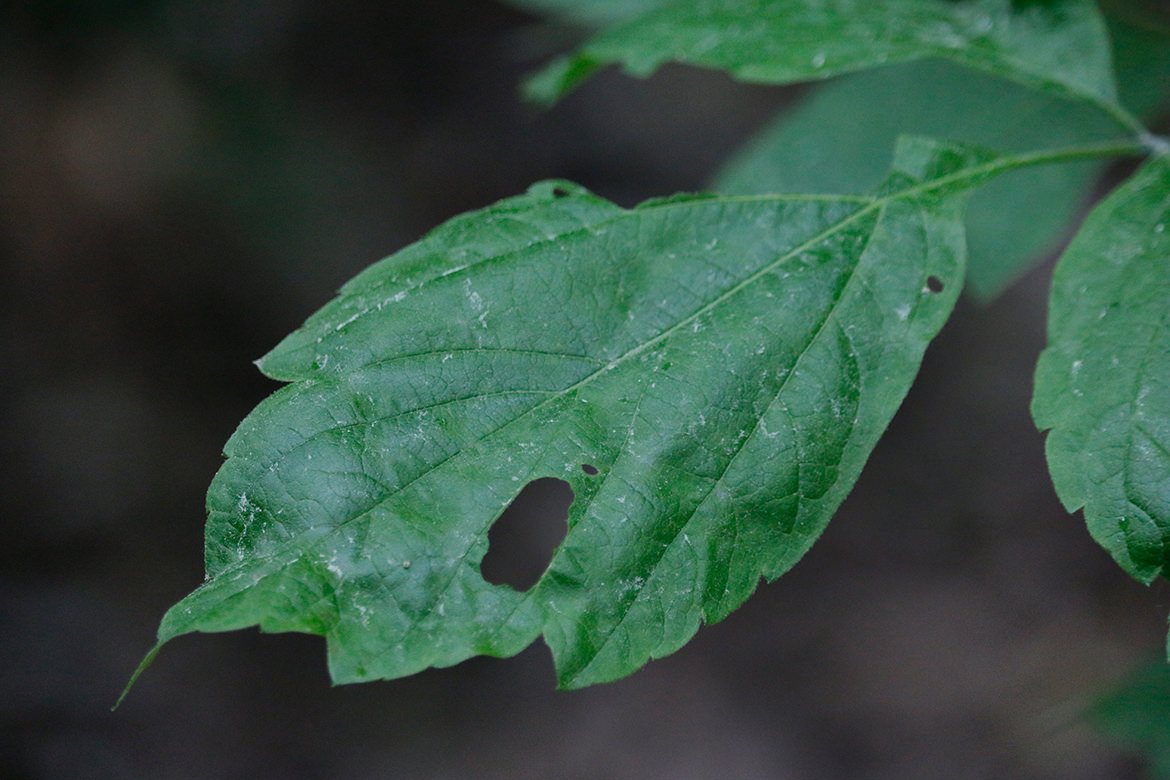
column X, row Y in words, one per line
column 353, row 317
column 818, row 60
column 903, row 311
column 473, row 298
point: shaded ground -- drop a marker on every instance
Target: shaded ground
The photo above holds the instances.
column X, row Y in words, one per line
column 182, row 183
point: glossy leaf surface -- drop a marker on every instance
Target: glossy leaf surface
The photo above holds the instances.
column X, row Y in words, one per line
column 1103, row 383
column 1059, row 46
column 724, row 366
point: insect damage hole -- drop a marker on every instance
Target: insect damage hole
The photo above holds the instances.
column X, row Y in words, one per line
column 934, row 284
column 523, row 539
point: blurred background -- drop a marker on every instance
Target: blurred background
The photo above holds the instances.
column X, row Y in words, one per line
column 182, row 183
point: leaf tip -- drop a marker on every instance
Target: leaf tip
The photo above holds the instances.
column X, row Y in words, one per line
column 142, row 666
column 557, row 79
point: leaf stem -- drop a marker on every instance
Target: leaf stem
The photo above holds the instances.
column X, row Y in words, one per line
column 1121, row 115
column 1125, row 147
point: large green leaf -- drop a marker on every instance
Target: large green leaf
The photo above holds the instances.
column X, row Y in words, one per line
column 725, row 364
column 1103, row 383
column 840, row 139
column 1059, row 46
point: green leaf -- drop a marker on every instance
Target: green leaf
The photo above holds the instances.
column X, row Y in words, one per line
column 589, row 12
column 1103, row 383
column 840, row 139
column 726, row 364
column 1059, row 46
column 1136, row 716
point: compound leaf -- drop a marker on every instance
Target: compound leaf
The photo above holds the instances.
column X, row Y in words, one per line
column 723, row 364
column 1060, row 46
column 1103, row 383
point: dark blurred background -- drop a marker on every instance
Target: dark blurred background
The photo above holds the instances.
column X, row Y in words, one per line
column 182, row 183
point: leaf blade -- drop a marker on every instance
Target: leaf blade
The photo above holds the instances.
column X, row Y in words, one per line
column 1060, row 47
column 1100, row 384
column 727, row 379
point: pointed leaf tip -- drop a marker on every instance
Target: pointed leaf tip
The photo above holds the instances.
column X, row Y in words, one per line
column 724, row 364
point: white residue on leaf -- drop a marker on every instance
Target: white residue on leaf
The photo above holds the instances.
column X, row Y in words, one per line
column 1076, row 367
column 818, row 60
column 476, row 302
column 248, row 511
column 473, row 297
column 903, row 311
column 351, row 318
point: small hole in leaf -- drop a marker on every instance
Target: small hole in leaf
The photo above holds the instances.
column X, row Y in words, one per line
column 522, row 541
column 560, row 192
column 588, row 469
column 934, row 284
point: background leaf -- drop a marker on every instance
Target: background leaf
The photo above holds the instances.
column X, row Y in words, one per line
column 1136, row 716
column 840, row 138
column 1102, row 384
column 590, row 12
column 725, row 364
column 1059, row 46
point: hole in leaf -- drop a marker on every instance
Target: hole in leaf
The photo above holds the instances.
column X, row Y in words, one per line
column 560, row 192
column 588, row 469
column 934, row 284
column 522, row 541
